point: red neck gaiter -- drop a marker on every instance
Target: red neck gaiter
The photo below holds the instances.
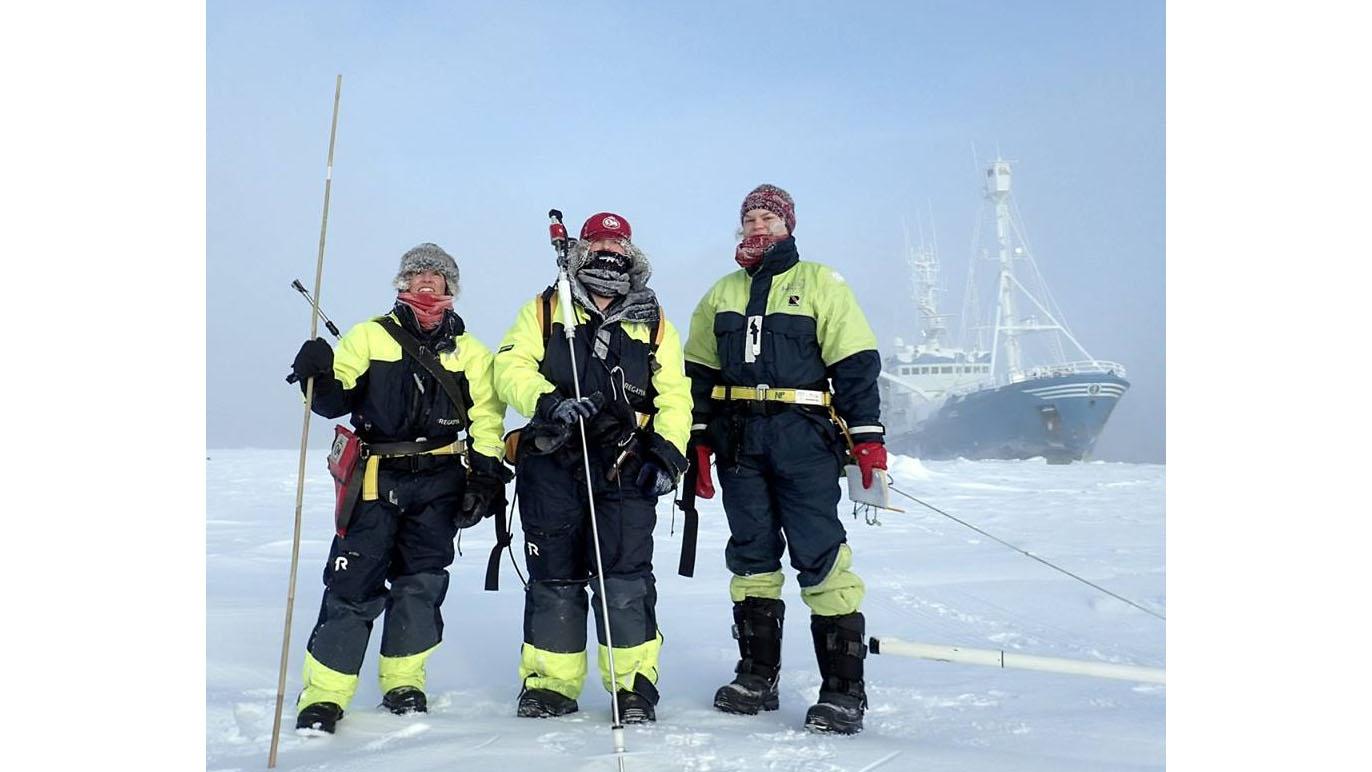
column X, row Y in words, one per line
column 750, row 251
column 428, row 307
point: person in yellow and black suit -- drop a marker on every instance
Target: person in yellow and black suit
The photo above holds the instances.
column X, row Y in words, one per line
column 416, row 492
column 771, row 350
column 636, row 405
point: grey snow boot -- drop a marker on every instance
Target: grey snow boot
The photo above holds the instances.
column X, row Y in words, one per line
column 758, row 624
column 840, row 650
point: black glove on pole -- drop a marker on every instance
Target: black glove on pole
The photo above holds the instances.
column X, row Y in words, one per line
column 315, row 359
column 568, row 410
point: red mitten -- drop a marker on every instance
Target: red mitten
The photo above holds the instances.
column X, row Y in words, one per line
column 705, row 487
column 869, row 456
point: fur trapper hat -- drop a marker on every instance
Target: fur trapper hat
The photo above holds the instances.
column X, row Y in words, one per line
column 427, row 257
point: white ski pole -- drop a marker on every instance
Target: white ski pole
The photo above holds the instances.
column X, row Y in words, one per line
column 304, row 439
column 564, row 291
column 1002, row 659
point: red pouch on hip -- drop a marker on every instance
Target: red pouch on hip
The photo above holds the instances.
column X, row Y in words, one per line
column 347, row 477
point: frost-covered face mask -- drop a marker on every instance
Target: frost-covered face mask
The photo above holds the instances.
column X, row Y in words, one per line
column 605, row 260
column 606, row 274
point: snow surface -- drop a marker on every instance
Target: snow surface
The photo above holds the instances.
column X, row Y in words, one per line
column 928, row 579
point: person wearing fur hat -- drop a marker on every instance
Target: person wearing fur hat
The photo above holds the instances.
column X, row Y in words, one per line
column 419, row 390
column 637, row 411
column 773, row 348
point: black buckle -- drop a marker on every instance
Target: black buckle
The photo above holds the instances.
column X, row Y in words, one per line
column 841, row 644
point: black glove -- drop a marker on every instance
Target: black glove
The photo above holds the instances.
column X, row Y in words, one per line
column 315, row 359
column 569, row 410
column 484, row 495
column 653, row 480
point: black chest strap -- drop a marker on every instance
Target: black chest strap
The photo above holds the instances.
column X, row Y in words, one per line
column 423, row 356
column 545, row 321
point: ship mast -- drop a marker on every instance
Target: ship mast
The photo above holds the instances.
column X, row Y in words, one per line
column 923, row 264
column 998, row 191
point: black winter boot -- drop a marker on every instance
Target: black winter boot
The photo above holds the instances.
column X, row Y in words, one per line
column 636, row 707
column 840, row 649
column 318, row 717
column 757, row 626
column 403, row 700
column 544, row 703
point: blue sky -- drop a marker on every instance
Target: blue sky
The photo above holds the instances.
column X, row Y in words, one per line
column 464, row 123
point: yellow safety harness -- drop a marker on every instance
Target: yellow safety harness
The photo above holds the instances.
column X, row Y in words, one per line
column 370, row 491
column 764, row 393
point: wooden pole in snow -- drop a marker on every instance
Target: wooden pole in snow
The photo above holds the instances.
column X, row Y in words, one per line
column 304, row 439
column 998, row 658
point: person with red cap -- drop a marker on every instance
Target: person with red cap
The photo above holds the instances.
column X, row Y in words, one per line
column 636, row 406
column 775, row 350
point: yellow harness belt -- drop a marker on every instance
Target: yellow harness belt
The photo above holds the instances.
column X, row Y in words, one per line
column 764, row 393
column 369, row 475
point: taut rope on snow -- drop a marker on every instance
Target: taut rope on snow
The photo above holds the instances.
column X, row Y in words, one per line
column 1116, row 596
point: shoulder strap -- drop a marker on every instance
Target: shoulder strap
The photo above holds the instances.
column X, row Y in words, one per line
column 502, row 542
column 659, row 330
column 426, row 358
column 545, row 313
column 687, row 503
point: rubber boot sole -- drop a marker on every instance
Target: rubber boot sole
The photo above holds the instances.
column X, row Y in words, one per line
column 731, row 700
column 831, row 722
column 552, row 706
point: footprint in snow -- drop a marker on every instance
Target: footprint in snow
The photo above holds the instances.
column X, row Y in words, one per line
column 417, row 728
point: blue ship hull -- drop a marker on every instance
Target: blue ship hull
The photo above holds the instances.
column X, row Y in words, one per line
column 1057, row 417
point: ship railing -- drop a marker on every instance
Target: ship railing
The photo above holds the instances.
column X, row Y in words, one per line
column 1085, row 366
column 1070, row 368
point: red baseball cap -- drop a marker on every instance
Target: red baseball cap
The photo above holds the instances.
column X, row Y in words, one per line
column 606, row 225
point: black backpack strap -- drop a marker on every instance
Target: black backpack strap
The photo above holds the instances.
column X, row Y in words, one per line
column 687, row 502
column 502, row 540
column 657, row 331
column 503, row 537
column 545, row 313
column 423, row 356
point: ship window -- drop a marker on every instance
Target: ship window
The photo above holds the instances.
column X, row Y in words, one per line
column 947, row 370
